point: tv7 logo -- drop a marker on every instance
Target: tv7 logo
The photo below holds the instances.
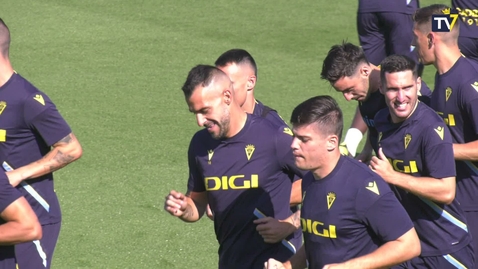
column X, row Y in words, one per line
column 443, row 23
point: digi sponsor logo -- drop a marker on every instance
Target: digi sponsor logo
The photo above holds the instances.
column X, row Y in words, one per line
column 444, row 22
column 318, row 228
column 449, row 119
column 407, row 167
column 234, row 182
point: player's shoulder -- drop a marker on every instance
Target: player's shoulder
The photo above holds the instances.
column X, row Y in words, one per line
column 23, row 86
column 361, row 177
column 382, row 116
column 200, row 139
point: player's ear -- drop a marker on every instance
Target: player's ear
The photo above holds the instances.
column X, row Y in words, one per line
column 380, row 88
column 419, row 84
column 332, row 142
column 365, row 70
column 228, row 95
column 251, row 82
column 431, row 39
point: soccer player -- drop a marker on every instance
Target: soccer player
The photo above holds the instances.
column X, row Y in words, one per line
column 18, row 222
column 416, row 156
column 385, row 28
column 35, row 141
column 347, row 69
column 468, row 17
column 350, row 217
column 236, row 165
column 241, row 68
column 455, row 99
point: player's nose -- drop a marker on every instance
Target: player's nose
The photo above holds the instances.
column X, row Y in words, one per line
column 348, row 96
column 200, row 119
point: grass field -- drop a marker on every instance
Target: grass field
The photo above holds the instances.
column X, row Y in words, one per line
column 115, row 68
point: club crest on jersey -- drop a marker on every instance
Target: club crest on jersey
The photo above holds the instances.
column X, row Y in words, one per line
column 209, row 156
column 475, row 86
column 39, row 99
column 3, row 105
column 448, row 92
column 407, row 139
column 330, row 199
column 249, row 151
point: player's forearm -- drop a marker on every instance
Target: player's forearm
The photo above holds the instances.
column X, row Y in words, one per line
column 63, row 152
column 389, row 254
column 466, row 152
column 358, row 122
column 437, row 190
column 298, row 261
column 296, row 193
column 294, row 219
column 15, row 232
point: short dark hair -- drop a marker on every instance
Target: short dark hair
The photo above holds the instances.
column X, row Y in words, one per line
column 424, row 15
column 322, row 110
column 236, row 56
column 200, row 75
column 397, row 63
column 342, row 61
column 4, row 38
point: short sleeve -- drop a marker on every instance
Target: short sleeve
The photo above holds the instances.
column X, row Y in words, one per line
column 470, row 104
column 8, row 194
column 284, row 152
column 379, row 209
column 195, row 180
column 41, row 114
column 438, row 158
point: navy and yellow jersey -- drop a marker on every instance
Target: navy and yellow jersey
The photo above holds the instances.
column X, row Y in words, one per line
column 376, row 102
column 455, row 99
column 402, row 6
column 272, row 115
column 422, row 146
column 348, row 214
column 8, row 195
column 468, row 17
column 246, row 177
column 29, row 125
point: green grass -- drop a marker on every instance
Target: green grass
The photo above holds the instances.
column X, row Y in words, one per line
column 115, row 68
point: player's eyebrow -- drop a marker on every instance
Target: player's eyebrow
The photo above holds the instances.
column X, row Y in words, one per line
column 201, row 110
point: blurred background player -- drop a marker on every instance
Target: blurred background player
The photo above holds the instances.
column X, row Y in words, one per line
column 35, row 142
column 239, row 164
column 18, row 222
column 455, row 99
column 468, row 39
column 241, row 68
column 416, row 156
column 385, row 28
column 350, row 217
column 347, row 69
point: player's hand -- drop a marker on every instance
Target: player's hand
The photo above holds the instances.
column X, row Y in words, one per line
column 380, row 165
column 175, row 203
column 273, row 264
column 273, row 230
column 14, row 177
column 209, row 213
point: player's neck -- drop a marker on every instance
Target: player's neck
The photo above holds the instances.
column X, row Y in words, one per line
column 374, row 79
column 249, row 105
column 6, row 71
column 446, row 58
column 328, row 165
column 238, row 119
